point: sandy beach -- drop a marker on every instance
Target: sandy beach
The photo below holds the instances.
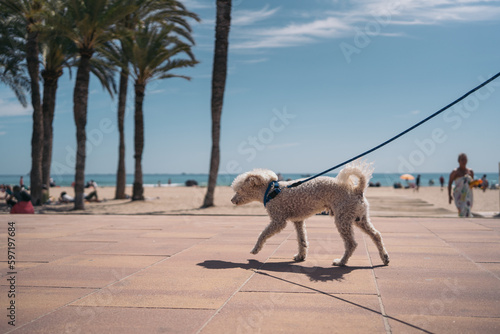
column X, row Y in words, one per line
column 384, row 201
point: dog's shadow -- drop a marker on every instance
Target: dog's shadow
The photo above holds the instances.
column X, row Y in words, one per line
column 315, row 273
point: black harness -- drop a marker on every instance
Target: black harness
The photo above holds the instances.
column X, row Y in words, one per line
column 273, row 189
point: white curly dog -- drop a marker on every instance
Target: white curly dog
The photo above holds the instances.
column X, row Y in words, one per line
column 340, row 196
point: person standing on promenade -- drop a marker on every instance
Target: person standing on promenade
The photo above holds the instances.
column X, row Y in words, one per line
column 462, row 193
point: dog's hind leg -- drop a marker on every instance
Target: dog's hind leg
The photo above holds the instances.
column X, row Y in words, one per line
column 274, row 227
column 364, row 224
column 300, row 226
column 344, row 225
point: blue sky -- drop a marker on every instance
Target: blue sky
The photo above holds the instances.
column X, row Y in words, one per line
column 310, row 84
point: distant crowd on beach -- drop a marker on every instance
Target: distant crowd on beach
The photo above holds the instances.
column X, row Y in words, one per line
column 483, row 184
column 18, row 198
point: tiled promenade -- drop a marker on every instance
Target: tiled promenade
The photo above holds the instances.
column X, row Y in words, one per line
column 194, row 274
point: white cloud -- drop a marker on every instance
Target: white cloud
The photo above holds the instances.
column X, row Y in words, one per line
column 253, row 61
column 3, row 133
column 155, row 91
column 292, row 34
column 344, row 22
column 12, row 107
column 426, row 11
column 408, row 114
column 247, row 17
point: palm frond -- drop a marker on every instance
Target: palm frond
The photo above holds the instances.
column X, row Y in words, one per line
column 19, row 84
column 105, row 72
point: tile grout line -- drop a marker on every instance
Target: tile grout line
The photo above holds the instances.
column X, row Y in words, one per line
column 241, row 286
column 387, row 326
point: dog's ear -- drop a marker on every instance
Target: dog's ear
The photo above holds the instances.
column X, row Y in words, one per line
column 254, row 180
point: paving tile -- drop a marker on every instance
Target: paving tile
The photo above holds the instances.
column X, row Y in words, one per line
column 469, row 236
column 20, row 267
column 454, row 224
column 264, row 312
column 208, row 251
column 418, row 323
column 91, row 271
column 437, row 292
column 480, row 252
column 75, row 319
column 34, row 302
column 421, row 257
column 108, row 235
column 146, row 246
column 184, row 233
column 51, row 249
column 248, row 237
column 404, row 225
column 412, row 240
column 171, row 287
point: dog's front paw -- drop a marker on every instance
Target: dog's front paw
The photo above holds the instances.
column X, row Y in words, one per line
column 385, row 259
column 338, row 262
column 299, row 257
column 255, row 251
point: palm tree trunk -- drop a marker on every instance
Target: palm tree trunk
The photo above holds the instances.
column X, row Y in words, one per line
column 37, row 136
column 120, row 174
column 138, row 191
column 50, row 79
column 80, row 99
column 218, row 86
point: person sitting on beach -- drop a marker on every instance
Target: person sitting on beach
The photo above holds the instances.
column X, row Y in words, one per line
column 93, row 194
column 91, row 184
column 65, row 198
column 23, row 204
column 9, row 196
column 485, row 183
column 462, row 193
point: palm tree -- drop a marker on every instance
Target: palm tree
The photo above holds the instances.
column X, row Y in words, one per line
column 28, row 13
column 12, row 55
column 167, row 11
column 153, row 53
column 122, row 100
column 218, row 86
column 56, row 52
column 88, row 24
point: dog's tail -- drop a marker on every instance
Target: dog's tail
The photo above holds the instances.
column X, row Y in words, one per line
column 362, row 170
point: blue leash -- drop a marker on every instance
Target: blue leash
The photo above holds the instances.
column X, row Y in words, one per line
column 399, row 135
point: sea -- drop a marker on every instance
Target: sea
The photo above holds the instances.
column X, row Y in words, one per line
column 155, row 180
